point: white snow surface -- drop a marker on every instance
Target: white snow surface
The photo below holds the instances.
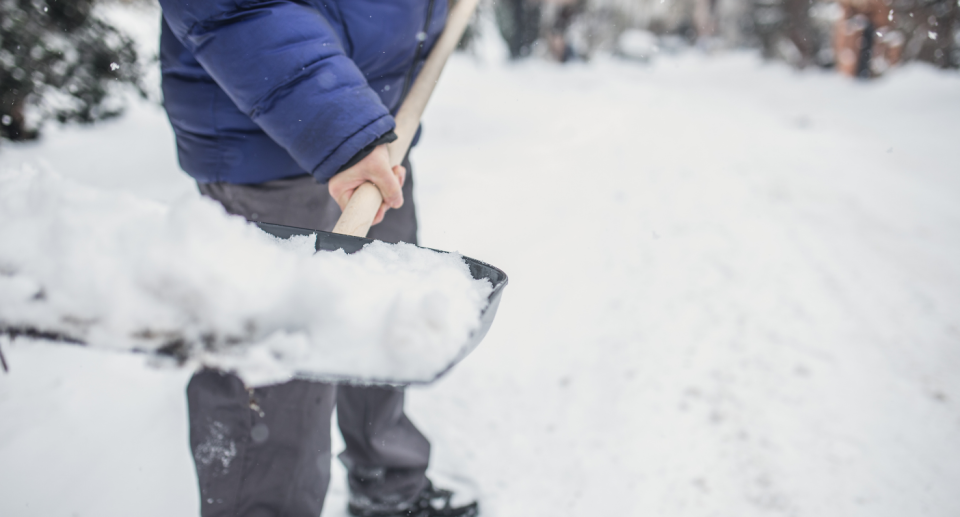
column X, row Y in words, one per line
column 735, row 291
column 113, row 270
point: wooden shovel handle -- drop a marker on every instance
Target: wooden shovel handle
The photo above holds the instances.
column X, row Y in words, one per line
column 366, row 200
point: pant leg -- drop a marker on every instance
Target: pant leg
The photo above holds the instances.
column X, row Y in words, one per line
column 302, row 202
column 386, row 456
column 398, row 225
column 262, row 452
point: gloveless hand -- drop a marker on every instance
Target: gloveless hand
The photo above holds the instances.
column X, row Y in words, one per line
column 375, row 168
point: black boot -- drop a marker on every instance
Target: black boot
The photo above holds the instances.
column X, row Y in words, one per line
column 431, row 502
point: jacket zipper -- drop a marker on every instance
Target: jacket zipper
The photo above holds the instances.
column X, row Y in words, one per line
column 416, row 55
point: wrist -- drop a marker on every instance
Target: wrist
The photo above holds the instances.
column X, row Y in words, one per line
column 386, row 138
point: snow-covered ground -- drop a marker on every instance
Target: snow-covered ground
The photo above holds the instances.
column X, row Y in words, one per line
column 735, row 290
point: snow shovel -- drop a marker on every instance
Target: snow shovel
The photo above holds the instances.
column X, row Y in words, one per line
column 350, row 231
column 352, row 227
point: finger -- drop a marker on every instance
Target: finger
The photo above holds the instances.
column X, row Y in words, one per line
column 381, row 213
column 335, row 194
column 389, row 188
column 340, row 195
column 401, row 173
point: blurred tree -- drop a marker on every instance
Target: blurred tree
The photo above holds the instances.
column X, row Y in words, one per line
column 933, row 29
column 56, row 55
column 785, row 30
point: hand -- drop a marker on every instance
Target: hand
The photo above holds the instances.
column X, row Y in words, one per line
column 375, row 168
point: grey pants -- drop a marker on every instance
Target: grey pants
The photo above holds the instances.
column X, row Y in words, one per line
column 266, row 451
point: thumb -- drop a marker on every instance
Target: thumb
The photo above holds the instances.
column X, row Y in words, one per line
column 401, row 173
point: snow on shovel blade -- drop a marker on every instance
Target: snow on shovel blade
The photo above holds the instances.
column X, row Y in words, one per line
column 394, row 335
column 327, row 241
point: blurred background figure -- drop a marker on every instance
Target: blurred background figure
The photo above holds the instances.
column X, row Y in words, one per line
column 519, row 23
column 873, row 35
column 525, row 23
column 560, row 14
column 865, row 43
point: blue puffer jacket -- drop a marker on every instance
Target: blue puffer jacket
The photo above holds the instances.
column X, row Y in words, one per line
column 262, row 90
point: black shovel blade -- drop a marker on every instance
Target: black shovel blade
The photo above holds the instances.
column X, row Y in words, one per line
column 327, row 241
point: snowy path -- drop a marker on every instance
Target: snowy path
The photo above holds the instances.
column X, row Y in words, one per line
column 735, row 290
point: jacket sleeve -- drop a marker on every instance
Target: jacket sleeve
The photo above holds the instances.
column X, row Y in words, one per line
column 284, row 65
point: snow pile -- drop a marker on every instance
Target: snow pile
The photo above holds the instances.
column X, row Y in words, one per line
column 116, row 271
column 637, row 44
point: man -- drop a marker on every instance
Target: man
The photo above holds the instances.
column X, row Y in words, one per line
column 864, row 41
column 269, row 100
